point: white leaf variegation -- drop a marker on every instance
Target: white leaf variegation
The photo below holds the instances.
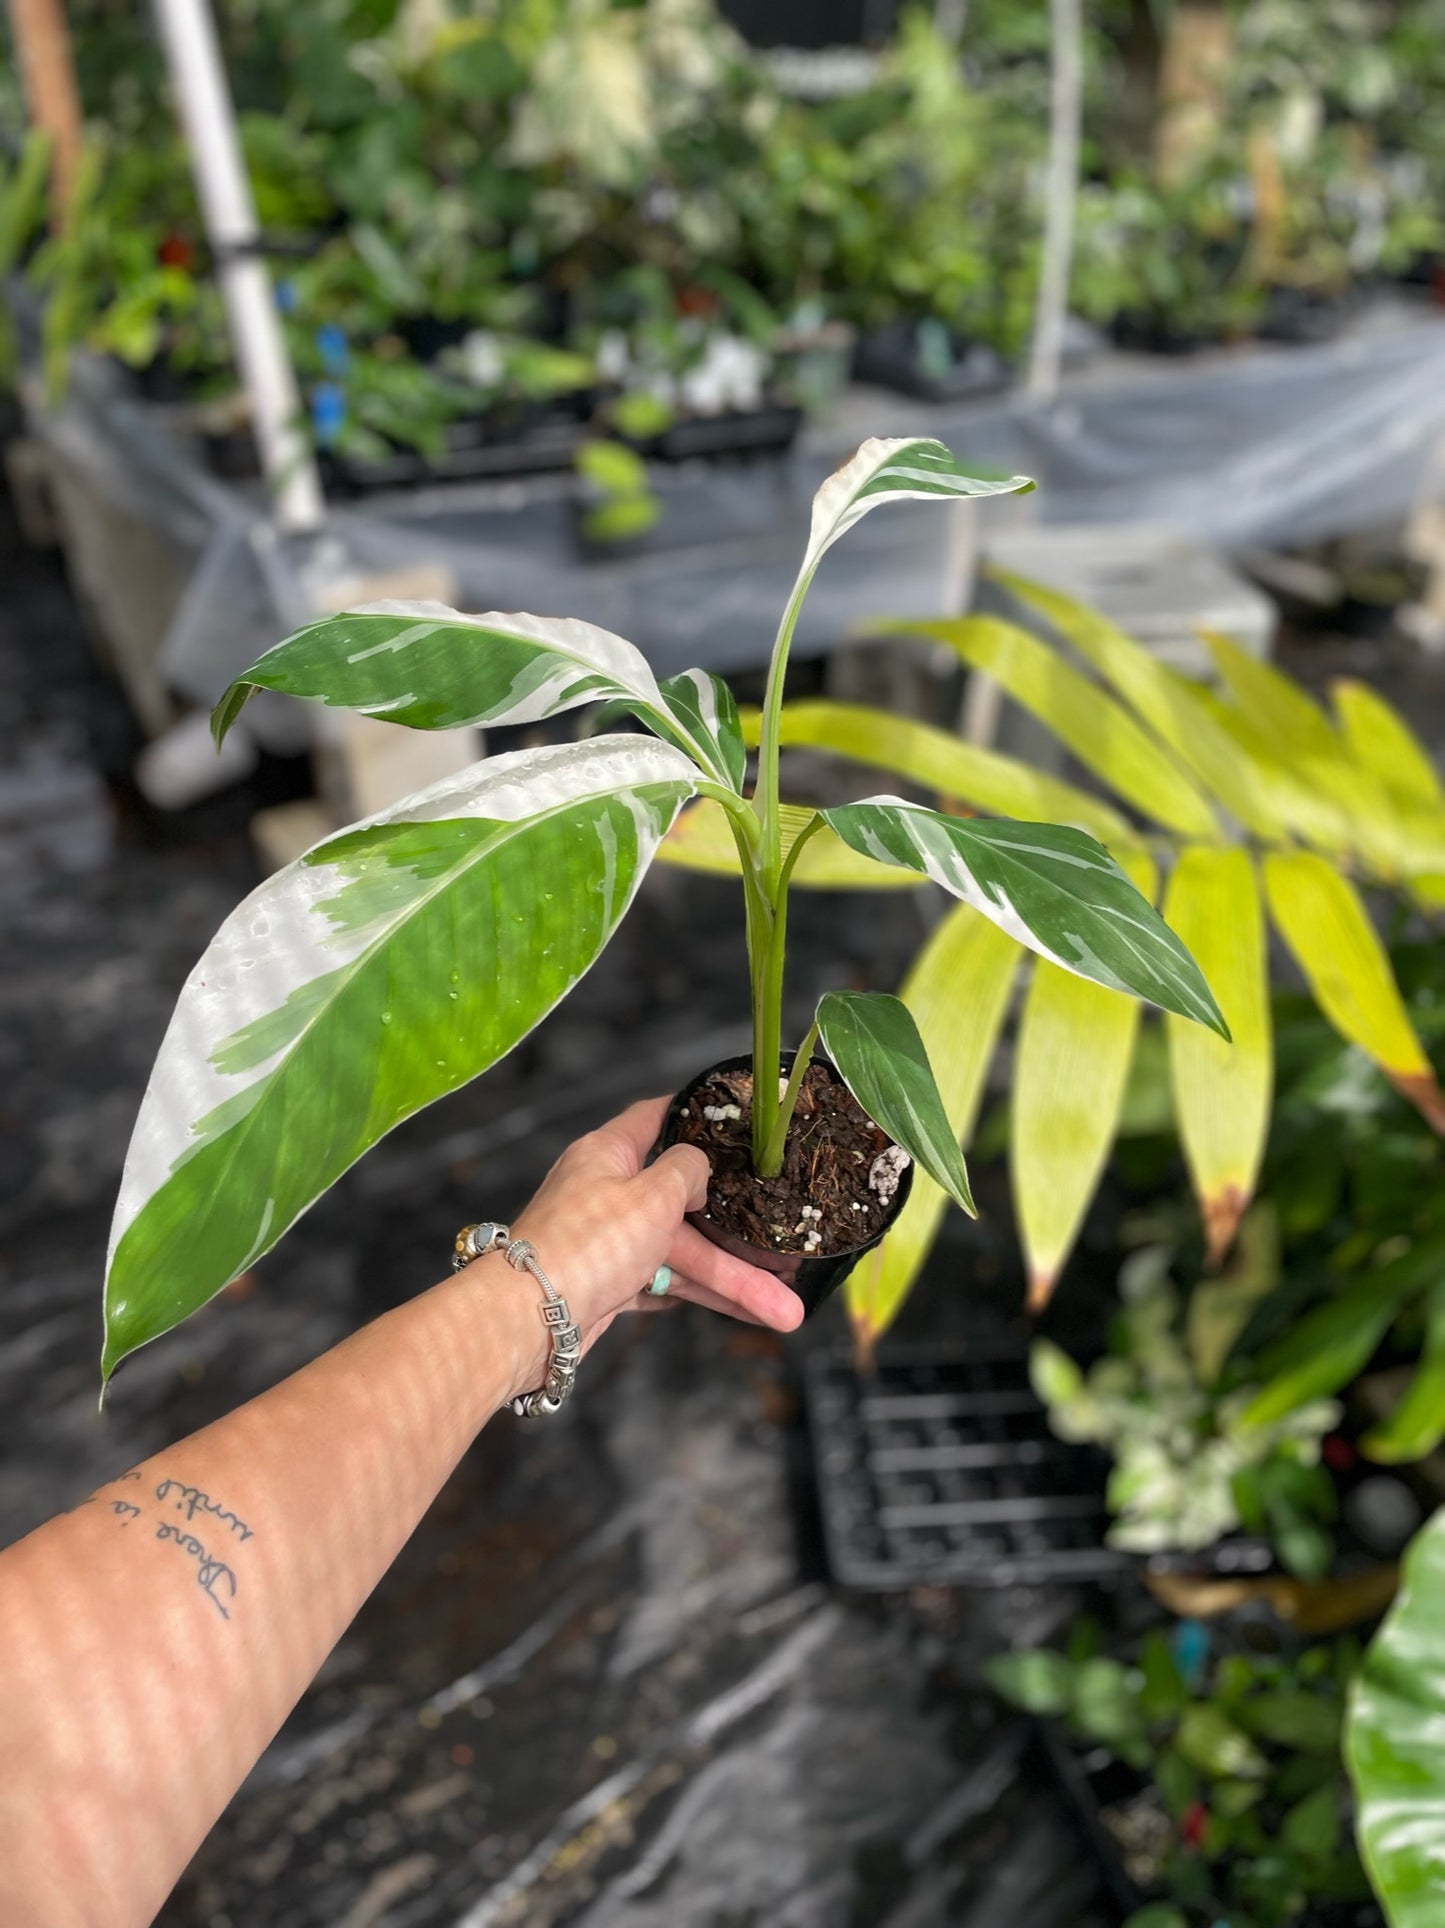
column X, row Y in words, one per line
column 704, row 713
column 1052, row 888
column 386, row 967
column 893, row 471
column 427, row 666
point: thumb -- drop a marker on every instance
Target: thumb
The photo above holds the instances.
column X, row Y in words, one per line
column 676, row 1180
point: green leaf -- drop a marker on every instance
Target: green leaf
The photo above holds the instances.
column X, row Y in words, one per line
column 1106, row 1707
column 1164, row 1693
column 1209, row 1740
column 1051, row 888
column 1306, row 1723
column 1320, row 916
column 1040, row 1681
column 1100, row 732
column 1393, row 1742
column 1222, row 1091
column 1311, row 1829
column 1056, row 1379
column 893, row 471
column 1327, row 1348
column 874, row 1042
column 701, row 840
column 1158, row 1914
column 1176, row 1780
column 706, row 715
column 1220, row 1309
column 383, row 969
column 1075, row 1042
column 429, row 667
column 1416, row 1425
column 934, row 760
column 958, row 991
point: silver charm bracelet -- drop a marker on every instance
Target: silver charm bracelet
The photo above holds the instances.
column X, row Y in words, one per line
column 471, row 1243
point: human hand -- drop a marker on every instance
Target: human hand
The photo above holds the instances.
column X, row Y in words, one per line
column 603, row 1221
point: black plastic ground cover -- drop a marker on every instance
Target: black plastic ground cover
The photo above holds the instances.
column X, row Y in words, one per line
column 940, row 1470
column 1091, row 1781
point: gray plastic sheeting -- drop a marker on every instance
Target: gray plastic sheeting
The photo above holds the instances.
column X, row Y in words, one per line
column 1265, row 446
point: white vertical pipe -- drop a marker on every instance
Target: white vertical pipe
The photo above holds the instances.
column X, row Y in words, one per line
column 1060, row 193
column 204, row 102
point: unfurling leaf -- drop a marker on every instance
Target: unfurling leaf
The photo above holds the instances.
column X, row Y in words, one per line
column 893, row 471
column 1100, row 732
column 874, row 1042
column 1222, row 1091
column 1321, row 918
column 383, row 969
column 958, row 993
column 702, row 709
column 1052, row 888
column 1392, row 1742
column 1075, row 1043
column 428, row 667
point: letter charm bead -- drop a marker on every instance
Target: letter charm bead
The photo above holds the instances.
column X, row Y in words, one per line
column 472, row 1242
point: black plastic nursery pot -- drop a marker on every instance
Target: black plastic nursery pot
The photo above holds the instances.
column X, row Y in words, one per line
column 813, row 1276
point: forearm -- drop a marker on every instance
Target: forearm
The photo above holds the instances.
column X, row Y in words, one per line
column 155, row 1638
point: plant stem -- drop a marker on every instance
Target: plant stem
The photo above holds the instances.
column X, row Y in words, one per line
column 768, row 1021
column 765, row 798
column 772, row 1162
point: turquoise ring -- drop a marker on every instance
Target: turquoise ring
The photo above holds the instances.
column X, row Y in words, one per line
column 660, row 1281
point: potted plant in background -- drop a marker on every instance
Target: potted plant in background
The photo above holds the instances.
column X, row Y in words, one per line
column 1206, row 1773
column 396, row 961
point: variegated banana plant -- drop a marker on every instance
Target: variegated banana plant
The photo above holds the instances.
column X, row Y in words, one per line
column 1255, row 804
column 401, row 958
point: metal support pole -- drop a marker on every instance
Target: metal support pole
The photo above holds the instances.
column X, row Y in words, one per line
column 1060, row 192
column 203, row 100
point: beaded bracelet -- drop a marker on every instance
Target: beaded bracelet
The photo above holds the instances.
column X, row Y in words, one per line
column 472, row 1242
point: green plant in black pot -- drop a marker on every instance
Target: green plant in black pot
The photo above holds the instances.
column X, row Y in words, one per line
column 395, row 962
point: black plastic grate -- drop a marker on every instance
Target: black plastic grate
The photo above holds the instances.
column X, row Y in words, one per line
column 941, row 1470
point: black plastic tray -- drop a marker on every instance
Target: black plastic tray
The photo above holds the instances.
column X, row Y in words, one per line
column 940, row 1470
column 752, row 431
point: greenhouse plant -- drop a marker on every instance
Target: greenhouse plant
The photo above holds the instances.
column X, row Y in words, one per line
column 396, row 961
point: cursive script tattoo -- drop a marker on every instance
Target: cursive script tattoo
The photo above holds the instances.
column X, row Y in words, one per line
column 213, row 1576
column 190, row 1500
column 124, row 1511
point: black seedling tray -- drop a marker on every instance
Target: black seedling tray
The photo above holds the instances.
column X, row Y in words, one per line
column 940, row 1470
column 768, row 430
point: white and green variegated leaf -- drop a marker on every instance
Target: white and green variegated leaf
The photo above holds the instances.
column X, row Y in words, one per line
column 383, row 969
column 704, row 714
column 893, row 471
column 1053, row 888
column 874, row 1042
column 429, row 667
